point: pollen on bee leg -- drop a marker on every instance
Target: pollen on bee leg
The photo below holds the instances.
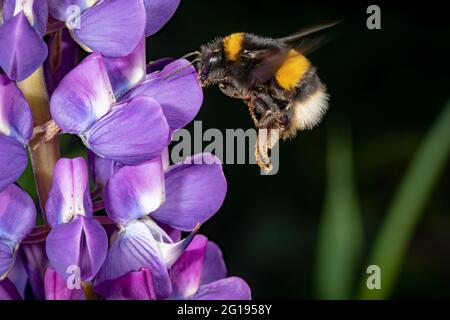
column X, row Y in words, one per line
column 263, row 145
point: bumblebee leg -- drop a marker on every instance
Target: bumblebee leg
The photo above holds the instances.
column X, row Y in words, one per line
column 254, row 108
column 289, row 129
column 269, row 114
column 265, row 141
column 268, row 119
column 258, row 107
column 230, row 90
column 262, row 158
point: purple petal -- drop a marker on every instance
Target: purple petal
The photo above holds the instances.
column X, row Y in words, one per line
column 214, row 267
column 136, row 285
column 16, row 125
column 232, row 288
column 133, row 132
column 17, row 219
column 8, row 291
column 174, row 234
column 16, row 120
column 101, row 169
column 109, row 226
column 22, row 50
column 60, row 9
column 186, row 272
column 172, row 251
column 158, row 13
column 35, row 262
column 81, row 243
column 36, row 12
column 13, row 161
column 134, row 249
column 194, row 192
column 135, row 191
column 17, row 214
column 7, row 256
column 56, row 288
column 83, row 96
column 69, row 195
column 18, row 275
column 180, row 95
column 126, row 72
column 158, row 64
column 165, row 158
column 114, row 27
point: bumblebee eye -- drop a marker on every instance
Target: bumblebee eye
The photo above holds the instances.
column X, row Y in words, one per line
column 211, row 62
column 205, row 71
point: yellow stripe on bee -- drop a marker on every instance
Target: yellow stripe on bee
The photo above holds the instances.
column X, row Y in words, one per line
column 289, row 75
column 232, row 45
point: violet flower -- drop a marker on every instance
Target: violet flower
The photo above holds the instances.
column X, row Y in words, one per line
column 56, row 288
column 16, row 126
column 158, row 13
column 134, row 199
column 112, row 27
column 129, row 132
column 75, row 238
column 172, row 83
column 122, row 114
column 17, row 219
column 201, row 274
column 35, row 262
column 8, row 291
column 22, row 26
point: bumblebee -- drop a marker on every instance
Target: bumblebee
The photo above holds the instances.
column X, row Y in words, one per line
column 275, row 79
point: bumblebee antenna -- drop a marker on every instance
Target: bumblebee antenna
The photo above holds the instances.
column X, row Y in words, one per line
column 181, row 69
column 190, row 54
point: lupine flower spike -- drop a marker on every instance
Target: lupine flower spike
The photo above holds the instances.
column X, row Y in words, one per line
column 124, row 223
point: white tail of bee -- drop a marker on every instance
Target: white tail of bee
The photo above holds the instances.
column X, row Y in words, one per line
column 309, row 113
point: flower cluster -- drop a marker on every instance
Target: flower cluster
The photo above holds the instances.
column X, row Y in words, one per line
column 135, row 236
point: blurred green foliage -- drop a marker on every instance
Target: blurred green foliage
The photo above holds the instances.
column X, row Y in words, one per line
column 408, row 204
column 341, row 232
column 340, row 235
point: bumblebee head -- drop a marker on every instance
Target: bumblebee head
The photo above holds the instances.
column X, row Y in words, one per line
column 209, row 64
column 210, row 68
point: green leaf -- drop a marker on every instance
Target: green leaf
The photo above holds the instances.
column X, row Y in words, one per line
column 340, row 233
column 408, row 204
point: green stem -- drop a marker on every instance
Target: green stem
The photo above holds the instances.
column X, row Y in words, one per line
column 43, row 154
column 340, row 232
column 403, row 215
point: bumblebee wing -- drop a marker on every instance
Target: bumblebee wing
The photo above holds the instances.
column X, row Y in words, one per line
column 308, row 31
column 267, row 62
column 312, row 43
